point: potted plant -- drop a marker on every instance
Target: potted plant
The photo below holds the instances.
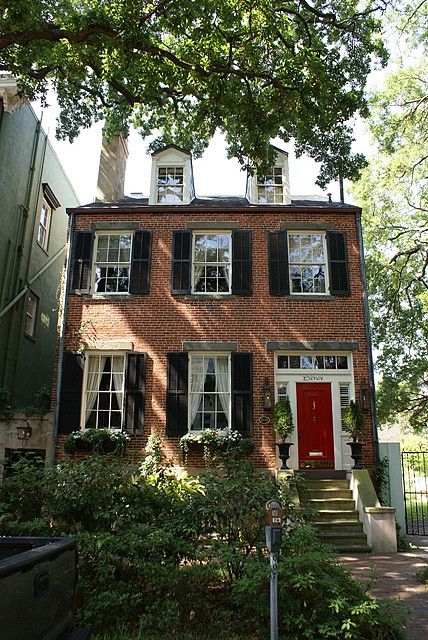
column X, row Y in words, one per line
column 282, row 422
column 353, row 420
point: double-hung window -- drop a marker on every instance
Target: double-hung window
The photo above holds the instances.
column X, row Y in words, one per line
column 209, row 392
column 102, row 405
column 270, row 188
column 212, row 268
column 307, row 263
column 170, row 185
column 112, row 262
column 44, row 224
column 30, row 315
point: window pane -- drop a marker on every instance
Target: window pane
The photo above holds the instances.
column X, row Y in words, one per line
column 330, row 362
column 319, row 362
column 294, row 362
column 282, row 362
column 197, row 422
column 221, row 421
column 307, row 362
column 342, row 362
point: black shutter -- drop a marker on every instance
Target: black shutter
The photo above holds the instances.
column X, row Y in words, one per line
column 177, row 394
column 241, row 262
column 71, row 393
column 135, row 391
column 339, row 278
column 181, row 261
column 279, row 284
column 140, row 262
column 242, row 392
column 81, row 262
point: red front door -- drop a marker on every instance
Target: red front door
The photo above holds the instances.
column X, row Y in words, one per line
column 315, row 426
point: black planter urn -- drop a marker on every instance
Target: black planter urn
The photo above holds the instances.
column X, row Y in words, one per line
column 356, row 453
column 284, row 452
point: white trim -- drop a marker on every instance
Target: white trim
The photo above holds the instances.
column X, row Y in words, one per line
column 206, row 232
column 106, row 354
column 31, row 314
column 334, row 377
column 46, row 228
column 310, row 232
column 208, row 354
column 109, row 232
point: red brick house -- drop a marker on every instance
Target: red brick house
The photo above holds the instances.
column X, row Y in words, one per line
column 184, row 313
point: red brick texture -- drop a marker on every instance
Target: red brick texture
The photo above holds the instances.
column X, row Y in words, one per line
column 159, row 322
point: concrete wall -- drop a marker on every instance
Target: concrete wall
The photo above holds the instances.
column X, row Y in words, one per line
column 27, row 160
column 395, row 490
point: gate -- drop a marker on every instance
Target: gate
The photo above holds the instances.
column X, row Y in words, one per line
column 415, row 483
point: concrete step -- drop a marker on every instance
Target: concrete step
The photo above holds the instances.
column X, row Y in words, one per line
column 336, row 504
column 326, row 484
column 326, row 494
column 339, row 526
column 342, row 539
column 336, row 514
column 323, row 474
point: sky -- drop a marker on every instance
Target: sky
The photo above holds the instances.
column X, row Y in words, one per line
column 214, row 173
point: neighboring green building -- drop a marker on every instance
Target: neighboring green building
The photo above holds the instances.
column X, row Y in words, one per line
column 34, row 194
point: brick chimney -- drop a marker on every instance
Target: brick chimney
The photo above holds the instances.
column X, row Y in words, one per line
column 111, row 174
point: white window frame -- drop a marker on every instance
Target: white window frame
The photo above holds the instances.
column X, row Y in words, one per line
column 208, row 354
column 208, row 233
column 277, row 199
column 310, row 354
column 44, row 229
column 107, row 232
column 158, row 185
column 107, row 354
column 313, row 232
column 31, row 314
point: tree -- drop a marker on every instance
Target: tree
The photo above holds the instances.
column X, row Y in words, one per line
column 253, row 69
column 393, row 191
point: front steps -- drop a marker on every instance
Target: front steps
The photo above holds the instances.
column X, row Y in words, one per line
column 337, row 519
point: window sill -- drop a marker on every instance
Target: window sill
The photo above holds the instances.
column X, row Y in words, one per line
column 213, row 296
column 30, row 338
column 45, row 251
column 108, row 296
column 310, row 297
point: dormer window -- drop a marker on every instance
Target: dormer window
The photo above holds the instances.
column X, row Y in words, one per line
column 270, row 187
column 172, row 177
column 170, row 185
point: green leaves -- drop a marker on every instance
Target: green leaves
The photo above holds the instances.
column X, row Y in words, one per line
column 183, row 69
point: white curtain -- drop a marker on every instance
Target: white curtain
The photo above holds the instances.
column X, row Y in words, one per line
column 197, row 386
column 93, row 384
column 118, row 384
column 222, row 368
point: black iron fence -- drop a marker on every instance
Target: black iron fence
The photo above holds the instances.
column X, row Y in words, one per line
column 415, row 483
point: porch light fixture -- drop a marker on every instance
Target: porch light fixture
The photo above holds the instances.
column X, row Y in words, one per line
column 365, row 395
column 267, row 395
column 24, row 430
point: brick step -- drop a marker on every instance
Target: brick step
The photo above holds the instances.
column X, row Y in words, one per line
column 335, row 514
column 339, row 526
column 336, row 504
column 326, row 484
column 326, row 494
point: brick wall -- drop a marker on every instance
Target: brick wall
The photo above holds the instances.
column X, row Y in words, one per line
column 159, row 322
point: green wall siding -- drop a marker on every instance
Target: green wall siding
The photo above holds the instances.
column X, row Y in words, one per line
column 27, row 160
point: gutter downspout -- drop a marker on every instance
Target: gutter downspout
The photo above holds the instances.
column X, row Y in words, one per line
column 369, row 336
column 51, row 458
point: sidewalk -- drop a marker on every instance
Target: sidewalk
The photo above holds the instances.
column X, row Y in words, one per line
column 394, row 576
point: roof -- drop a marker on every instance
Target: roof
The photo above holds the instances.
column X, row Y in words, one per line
column 171, row 146
column 219, row 202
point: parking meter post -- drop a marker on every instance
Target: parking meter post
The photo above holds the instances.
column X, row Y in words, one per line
column 273, row 532
column 273, row 596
